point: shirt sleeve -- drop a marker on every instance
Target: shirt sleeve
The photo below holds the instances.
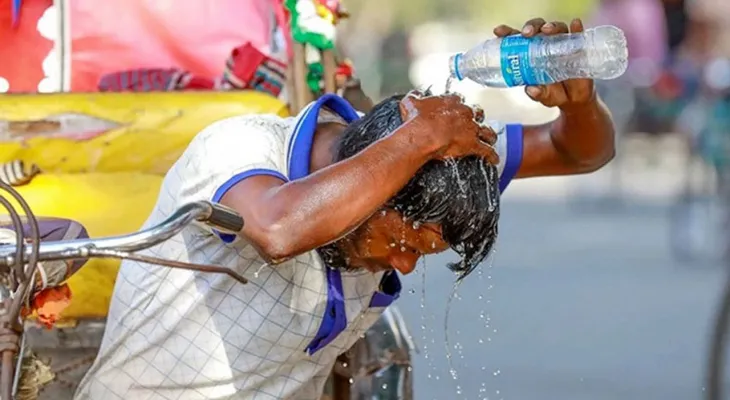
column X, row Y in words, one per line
column 509, row 149
column 224, row 154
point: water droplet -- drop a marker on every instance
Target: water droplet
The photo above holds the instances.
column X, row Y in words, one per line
column 392, row 244
column 497, row 372
column 412, row 291
column 260, row 268
column 481, row 341
column 344, row 365
column 402, row 249
column 449, row 83
column 384, row 386
column 351, row 380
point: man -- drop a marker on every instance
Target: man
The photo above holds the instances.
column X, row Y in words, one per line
column 333, row 205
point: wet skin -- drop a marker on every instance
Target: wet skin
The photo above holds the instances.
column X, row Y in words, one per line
column 346, row 199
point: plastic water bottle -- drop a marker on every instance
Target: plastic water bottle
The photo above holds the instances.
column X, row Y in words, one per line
column 597, row 53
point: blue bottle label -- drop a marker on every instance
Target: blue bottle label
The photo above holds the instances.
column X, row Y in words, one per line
column 515, row 62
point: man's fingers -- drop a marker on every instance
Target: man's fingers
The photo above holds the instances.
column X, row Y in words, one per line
column 549, row 96
column 533, row 27
column 489, row 153
column 487, row 135
column 555, row 28
column 556, row 96
column 536, row 92
column 454, row 98
column 504, row 30
column 576, row 25
column 478, row 113
column 538, row 25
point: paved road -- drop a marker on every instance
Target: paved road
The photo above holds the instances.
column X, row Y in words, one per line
column 586, row 305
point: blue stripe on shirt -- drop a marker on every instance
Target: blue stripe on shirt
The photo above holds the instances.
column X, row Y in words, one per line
column 225, row 187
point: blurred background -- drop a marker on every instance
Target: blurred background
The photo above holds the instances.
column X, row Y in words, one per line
column 604, row 285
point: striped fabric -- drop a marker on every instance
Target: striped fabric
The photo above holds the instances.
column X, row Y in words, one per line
column 14, row 173
column 246, row 68
column 149, row 80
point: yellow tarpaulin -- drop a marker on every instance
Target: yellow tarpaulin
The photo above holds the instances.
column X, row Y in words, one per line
column 110, row 183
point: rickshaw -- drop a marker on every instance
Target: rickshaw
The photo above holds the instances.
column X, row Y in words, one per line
column 83, row 166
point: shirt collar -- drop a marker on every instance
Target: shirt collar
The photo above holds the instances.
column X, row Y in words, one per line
column 300, row 144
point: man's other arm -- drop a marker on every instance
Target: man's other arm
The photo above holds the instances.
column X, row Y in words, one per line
column 580, row 140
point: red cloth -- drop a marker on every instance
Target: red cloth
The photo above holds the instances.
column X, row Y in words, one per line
column 130, row 34
column 246, row 68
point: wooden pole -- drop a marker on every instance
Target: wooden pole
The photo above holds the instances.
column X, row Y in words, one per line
column 302, row 94
column 329, row 65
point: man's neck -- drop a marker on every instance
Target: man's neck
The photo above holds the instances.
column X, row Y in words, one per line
column 324, row 144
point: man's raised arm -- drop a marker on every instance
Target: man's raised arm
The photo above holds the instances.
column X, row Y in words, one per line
column 581, row 140
column 287, row 219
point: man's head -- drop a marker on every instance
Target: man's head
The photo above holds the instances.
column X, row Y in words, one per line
column 447, row 204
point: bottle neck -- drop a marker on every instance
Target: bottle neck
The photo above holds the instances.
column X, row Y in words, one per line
column 454, row 66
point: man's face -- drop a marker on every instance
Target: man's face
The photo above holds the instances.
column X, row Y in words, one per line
column 386, row 241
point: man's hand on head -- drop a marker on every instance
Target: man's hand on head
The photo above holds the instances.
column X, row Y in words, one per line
column 567, row 94
column 453, row 128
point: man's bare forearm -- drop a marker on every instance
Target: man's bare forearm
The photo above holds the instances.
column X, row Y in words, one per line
column 308, row 213
column 584, row 134
column 580, row 140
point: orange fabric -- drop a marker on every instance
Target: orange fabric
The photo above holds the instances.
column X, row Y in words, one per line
column 49, row 303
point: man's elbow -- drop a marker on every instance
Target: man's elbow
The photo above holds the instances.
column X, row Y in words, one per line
column 274, row 242
column 595, row 163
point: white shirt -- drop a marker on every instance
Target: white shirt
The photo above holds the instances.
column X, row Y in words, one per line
column 176, row 334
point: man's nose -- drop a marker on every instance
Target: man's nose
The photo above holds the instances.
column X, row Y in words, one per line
column 404, row 262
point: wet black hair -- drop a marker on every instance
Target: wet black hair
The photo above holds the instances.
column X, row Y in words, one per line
column 461, row 195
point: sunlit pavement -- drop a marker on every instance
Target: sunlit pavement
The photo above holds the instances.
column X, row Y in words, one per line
column 585, row 305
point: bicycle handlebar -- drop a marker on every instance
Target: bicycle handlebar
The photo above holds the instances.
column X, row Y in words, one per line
column 217, row 216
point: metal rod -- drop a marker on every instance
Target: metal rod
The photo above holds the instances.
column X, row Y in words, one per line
column 168, row 263
column 329, row 64
column 79, row 248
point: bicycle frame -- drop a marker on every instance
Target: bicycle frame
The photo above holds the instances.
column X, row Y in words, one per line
column 19, row 261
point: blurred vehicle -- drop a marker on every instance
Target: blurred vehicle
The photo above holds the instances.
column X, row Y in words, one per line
column 700, row 216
